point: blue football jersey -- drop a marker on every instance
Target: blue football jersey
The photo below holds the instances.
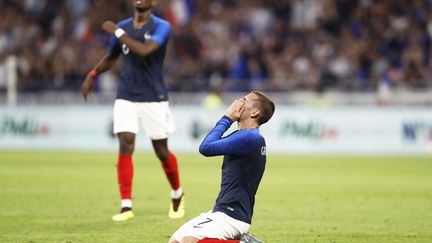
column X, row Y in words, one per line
column 242, row 169
column 141, row 77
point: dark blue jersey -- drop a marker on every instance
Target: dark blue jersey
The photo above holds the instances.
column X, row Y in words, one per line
column 141, row 77
column 242, row 169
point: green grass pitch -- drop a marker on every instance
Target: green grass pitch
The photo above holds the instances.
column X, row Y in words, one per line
column 70, row 197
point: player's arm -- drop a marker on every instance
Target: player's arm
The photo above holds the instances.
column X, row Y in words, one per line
column 238, row 143
column 104, row 65
column 137, row 47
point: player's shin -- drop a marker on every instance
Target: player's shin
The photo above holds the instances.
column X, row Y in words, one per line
column 124, row 175
column 171, row 171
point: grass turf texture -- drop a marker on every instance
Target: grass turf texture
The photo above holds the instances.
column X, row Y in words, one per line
column 70, row 197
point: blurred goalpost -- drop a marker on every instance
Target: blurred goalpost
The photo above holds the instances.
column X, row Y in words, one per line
column 11, row 78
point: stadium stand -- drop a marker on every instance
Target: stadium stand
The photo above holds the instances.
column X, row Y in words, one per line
column 235, row 45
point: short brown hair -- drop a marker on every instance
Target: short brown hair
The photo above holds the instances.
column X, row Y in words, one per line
column 266, row 107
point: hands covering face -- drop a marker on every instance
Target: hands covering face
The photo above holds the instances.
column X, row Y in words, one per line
column 236, row 109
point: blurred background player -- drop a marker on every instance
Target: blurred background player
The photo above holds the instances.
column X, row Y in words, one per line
column 243, row 167
column 142, row 98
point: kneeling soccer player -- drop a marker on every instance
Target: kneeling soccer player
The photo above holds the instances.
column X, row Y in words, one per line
column 243, row 166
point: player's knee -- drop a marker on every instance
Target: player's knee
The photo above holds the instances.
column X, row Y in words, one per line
column 162, row 155
column 189, row 239
column 161, row 149
column 126, row 149
column 162, row 152
column 127, row 143
column 127, row 138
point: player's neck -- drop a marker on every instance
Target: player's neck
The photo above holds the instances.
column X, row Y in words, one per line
column 247, row 124
column 141, row 18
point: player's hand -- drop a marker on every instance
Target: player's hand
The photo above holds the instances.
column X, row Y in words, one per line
column 87, row 86
column 109, row 26
column 235, row 110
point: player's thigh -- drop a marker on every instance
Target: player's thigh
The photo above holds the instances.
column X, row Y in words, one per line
column 210, row 225
column 126, row 116
column 156, row 119
column 192, row 228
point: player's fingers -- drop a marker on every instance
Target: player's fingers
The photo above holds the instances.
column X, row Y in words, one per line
column 242, row 103
column 84, row 94
column 236, row 103
column 233, row 105
column 105, row 25
column 84, row 89
column 242, row 106
column 108, row 26
column 239, row 104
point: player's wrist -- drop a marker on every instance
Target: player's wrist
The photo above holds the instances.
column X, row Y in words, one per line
column 119, row 32
column 228, row 117
column 93, row 73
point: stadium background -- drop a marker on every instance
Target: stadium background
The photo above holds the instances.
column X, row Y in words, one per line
column 351, row 79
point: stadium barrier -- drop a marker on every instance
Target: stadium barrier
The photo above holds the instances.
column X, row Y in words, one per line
column 293, row 129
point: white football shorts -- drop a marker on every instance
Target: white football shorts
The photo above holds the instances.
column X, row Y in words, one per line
column 155, row 118
column 216, row 225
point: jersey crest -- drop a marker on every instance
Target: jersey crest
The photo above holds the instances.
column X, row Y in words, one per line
column 147, row 36
column 263, row 150
column 125, row 49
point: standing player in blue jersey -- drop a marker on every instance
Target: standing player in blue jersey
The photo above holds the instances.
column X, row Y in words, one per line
column 243, row 166
column 142, row 99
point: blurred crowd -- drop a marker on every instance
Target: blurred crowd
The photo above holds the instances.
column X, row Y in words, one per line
column 231, row 45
